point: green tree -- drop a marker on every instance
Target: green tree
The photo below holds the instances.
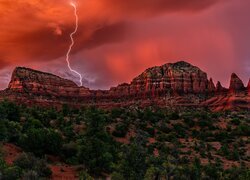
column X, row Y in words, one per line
column 30, row 175
column 3, row 130
column 10, row 111
column 85, row 176
column 133, row 159
column 11, row 173
column 28, row 162
column 97, row 148
column 14, row 131
column 41, row 141
column 32, row 123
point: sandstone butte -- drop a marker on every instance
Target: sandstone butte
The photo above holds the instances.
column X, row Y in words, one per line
column 177, row 84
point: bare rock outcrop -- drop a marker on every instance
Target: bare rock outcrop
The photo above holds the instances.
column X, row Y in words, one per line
column 180, row 78
column 172, row 84
column 236, row 84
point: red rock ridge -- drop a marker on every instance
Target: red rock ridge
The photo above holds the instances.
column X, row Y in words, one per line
column 171, row 84
column 40, row 83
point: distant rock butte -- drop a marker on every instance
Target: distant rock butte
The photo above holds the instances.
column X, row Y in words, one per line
column 236, row 84
column 172, row 84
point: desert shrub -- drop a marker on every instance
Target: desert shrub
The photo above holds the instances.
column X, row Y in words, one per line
column 52, row 113
column 141, row 124
column 2, row 163
column 243, row 129
column 68, row 131
column 189, row 121
column 41, row 141
column 14, row 131
column 28, row 162
column 164, row 128
column 151, row 173
column 184, row 160
column 235, row 121
column 172, row 137
column 97, row 144
column 42, row 169
column 180, row 130
column 241, row 173
column 121, row 130
column 212, row 172
column 235, row 156
column 10, row 111
column 117, row 176
column 151, row 116
column 11, row 173
column 174, row 116
column 202, row 115
column 215, row 115
column 3, row 130
column 69, row 151
column 133, row 161
column 116, row 112
column 224, row 150
column 66, row 110
column 221, row 136
column 32, row 123
column 229, row 128
column 195, row 133
column 30, row 175
column 150, row 131
column 96, row 150
column 83, row 175
column 99, row 155
column 25, row 161
column 203, row 123
column 161, row 137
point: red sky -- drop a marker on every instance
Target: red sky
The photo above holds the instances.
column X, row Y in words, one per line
column 118, row 39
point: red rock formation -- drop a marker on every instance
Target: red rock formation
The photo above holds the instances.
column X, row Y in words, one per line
column 180, row 78
column 233, row 99
column 236, row 84
column 220, row 88
column 40, row 83
column 173, row 84
column 211, row 86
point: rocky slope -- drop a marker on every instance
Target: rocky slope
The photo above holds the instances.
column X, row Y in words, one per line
column 172, row 84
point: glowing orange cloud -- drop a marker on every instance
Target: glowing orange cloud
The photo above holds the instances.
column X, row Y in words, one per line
column 117, row 39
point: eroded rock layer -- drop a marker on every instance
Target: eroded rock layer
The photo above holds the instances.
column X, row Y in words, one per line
column 172, row 84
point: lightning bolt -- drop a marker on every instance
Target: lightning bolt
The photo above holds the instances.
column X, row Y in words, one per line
column 73, row 42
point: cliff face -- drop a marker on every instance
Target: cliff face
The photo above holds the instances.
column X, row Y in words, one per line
column 25, row 80
column 236, row 84
column 180, row 77
column 170, row 84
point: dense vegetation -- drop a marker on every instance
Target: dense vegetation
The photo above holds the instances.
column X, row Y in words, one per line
column 127, row 143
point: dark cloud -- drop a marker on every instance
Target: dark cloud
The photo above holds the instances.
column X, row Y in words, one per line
column 117, row 39
column 149, row 7
column 43, row 44
column 39, row 30
column 105, row 34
